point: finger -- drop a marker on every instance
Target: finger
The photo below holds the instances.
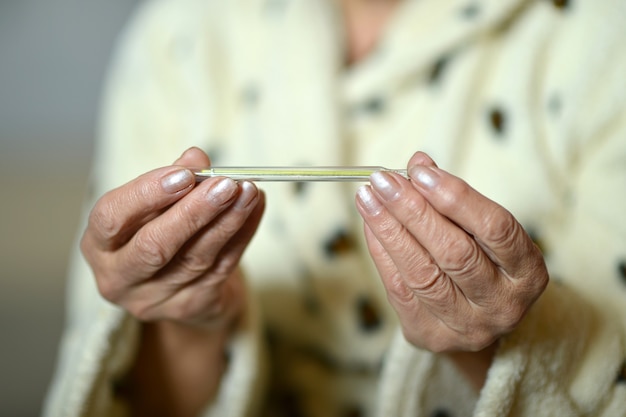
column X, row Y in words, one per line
column 394, row 283
column 495, row 229
column 415, row 266
column 218, row 246
column 161, row 297
column 193, row 157
column 421, row 158
column 142, row 191
column 230, row 255
column 453, row 251
column 440, row 323
column 199, row 304
column 122, row 211
column 157, row 242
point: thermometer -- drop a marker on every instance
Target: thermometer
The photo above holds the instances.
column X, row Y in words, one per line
column 335, row 174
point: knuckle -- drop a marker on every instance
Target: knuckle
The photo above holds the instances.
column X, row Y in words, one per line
column 415, row 206
column 389, row 230
column 431, row 282
column 194, row 263
column 455, row 194
column 500, row 228
column 150, row 250
column 539, row 277
column 398, row 290
column 468, row 254
column 104, row 222
column 510, row 316
column 224, row 231
column 224, row 266
column 461, row 256
column 109, row 289
column 512, row 310
column 542, row 281
column 191, row 215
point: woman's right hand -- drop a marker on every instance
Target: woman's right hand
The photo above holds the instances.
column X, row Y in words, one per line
column 165, row 248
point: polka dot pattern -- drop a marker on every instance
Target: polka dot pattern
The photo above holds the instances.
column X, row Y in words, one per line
column 561, row 4
column 341, row 242
column 438, row 69
column 275, row 6
column 374, row 105
column 440, row 412
column 621, row 375
column 121, row 388
column 368, row 315
column 555, row 105
column 471, row 11
column 299, row 188
column 290, row 405
column 250, row 95
column 621, row 270
column 381, row 103
column 353, row 411
column 498, row 121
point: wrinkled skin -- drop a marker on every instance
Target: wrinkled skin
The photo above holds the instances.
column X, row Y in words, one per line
column 163, row 247
column 459, row 270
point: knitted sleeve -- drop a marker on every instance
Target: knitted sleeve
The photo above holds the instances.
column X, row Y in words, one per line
column 144, row 125
column 568, row 356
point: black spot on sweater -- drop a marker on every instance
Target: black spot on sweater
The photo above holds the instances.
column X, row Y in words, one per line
column 368, row 315
column 470, row 11
column 621, row 270
column 498, row 121
column 339, row 243
column 561, row 4
column 438, row 70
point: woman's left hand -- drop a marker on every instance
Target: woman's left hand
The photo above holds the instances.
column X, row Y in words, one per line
column 459, row 270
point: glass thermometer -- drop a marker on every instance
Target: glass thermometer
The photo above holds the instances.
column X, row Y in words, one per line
column 339, row 173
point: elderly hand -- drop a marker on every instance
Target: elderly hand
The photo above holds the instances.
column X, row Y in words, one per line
column 459, row 270
column 164, row 248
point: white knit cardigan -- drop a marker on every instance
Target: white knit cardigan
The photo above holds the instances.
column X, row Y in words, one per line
column 525, row 100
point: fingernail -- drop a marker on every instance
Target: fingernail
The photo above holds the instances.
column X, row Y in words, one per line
column 177, row 181
column 222, row 191
column 386, row 185
column 248, row 193
column 368, row 200
column 425, row 176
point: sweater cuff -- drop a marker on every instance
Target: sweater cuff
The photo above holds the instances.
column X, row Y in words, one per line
column 243, row 384
column 98, row 350
column 561, row 361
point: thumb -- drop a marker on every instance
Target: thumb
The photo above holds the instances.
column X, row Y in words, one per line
column 193, row 157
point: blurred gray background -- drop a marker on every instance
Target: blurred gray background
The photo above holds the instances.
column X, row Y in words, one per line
column 53, row 56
